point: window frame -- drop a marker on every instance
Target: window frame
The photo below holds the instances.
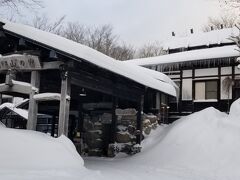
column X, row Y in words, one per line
column 205, row 82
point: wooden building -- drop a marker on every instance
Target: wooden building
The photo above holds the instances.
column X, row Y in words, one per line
column 70, row 82
column 204, row 67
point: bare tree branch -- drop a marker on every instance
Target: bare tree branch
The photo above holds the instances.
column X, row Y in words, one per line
column 15, row 4
column 42, row 22
column 150, row 50
column 225, row 21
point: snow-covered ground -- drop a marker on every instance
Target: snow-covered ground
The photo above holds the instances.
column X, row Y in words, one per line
column 202, row 146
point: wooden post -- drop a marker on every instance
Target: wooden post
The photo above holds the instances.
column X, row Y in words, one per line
column 158, row 103
column 64, row 104
column 33, row 105
column 180, row 93
column 193, row 89
column 139, row 120
column 233, row 80
column 219, row 87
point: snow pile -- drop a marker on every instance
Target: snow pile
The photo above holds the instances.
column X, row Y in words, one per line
column 21, row 149
column 206, row 142
column 235, row 109
column 27, row 155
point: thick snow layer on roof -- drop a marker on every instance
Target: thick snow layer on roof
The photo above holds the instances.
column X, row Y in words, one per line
column 201, row 54
column 214, row 37
column 80, row 51
column 164, row 79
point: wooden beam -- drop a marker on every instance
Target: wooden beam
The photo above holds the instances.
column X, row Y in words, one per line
column 52, row 65
column 64, row 104
column 17, row 88
column 33, row 105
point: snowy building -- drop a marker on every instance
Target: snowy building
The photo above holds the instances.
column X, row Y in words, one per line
column 204, row 67
column 87, row 94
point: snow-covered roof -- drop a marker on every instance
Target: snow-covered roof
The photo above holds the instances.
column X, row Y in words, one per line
column 214, row 37
column 201, row 54
column 78, row 51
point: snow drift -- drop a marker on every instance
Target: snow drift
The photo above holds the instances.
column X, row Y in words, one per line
column 22, row 149
column 204, row 143
column 27, row 155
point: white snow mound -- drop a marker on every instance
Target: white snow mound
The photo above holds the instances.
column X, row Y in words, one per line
column 29, row 150
column 235, row 108
column 205, row 143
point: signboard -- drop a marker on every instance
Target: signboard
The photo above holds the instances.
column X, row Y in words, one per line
column 20, row 62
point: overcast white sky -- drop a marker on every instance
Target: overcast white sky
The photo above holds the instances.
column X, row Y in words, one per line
column 137, row 21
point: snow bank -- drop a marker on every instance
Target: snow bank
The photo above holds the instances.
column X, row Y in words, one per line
column 202, row 146
column 205, row 143
column 28, row 150
column 235, row 109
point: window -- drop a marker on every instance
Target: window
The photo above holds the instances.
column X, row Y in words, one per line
column 206, row 90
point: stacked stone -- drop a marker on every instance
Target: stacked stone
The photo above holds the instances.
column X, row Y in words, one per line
column 150, row 122
column 93, row 136
column 126, row 130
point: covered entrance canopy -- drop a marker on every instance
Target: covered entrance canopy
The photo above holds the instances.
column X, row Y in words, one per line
column 34, row 62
